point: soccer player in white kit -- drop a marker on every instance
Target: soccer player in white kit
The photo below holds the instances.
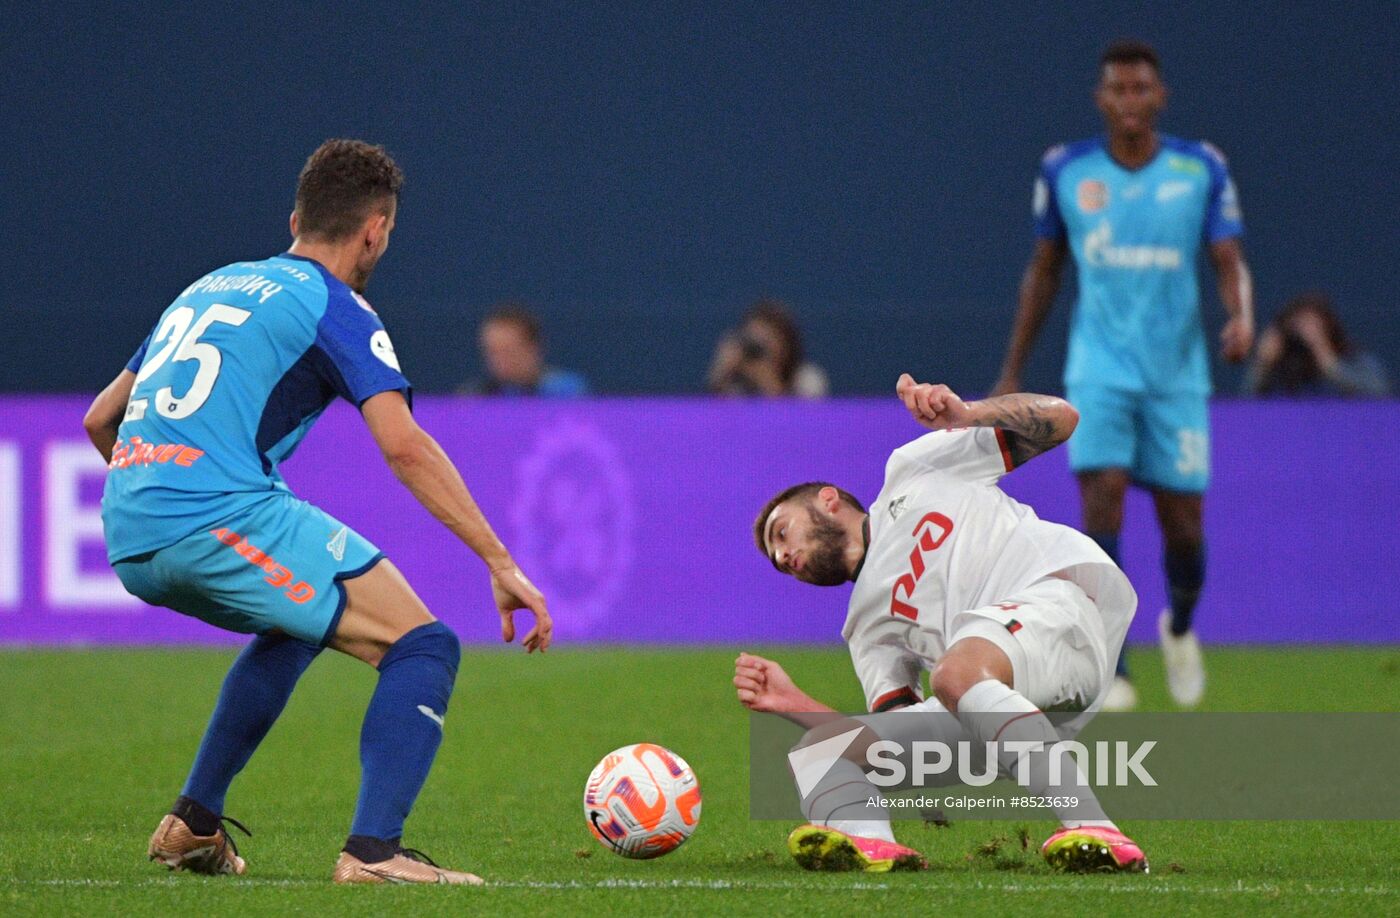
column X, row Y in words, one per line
column 1011, row 616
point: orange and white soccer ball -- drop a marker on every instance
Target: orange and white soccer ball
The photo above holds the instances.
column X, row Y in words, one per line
column 642, row 801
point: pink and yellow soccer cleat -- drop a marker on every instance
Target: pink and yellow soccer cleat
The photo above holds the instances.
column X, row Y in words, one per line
column 1093, row 849
column 822, row 848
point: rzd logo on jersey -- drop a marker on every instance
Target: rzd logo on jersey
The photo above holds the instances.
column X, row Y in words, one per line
column 933, row 530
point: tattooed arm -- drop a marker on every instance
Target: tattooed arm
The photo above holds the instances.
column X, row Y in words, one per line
column 1031, row 424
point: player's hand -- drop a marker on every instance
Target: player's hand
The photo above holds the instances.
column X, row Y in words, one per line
column 1237, row 338
column 1005, row 385
column 763, row 685
column 933, row 405
column 512, row 591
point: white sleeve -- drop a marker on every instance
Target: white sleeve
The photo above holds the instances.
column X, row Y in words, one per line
column 979, row 454
column 889, row 674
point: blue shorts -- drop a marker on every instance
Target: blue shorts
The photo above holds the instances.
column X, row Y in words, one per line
column 1163, row 441
column 274, row 566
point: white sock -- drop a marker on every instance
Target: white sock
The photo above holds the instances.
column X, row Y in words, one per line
column 993, row 712
column 841, row 801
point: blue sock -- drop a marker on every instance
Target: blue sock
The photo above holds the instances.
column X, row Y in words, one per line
column 1108, row 541
column 1186, row 573
column 255, row 691
column 403, row 728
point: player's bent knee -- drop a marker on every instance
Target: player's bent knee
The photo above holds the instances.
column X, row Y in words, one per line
column 380, row 609
column 950, row 681
column 967, row 663
column 433, row 640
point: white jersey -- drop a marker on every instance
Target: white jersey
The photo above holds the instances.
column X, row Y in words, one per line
column 944, row 539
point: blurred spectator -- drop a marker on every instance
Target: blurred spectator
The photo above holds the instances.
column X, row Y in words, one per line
column 512, row 349
column 764, row 357
column 1305, row 351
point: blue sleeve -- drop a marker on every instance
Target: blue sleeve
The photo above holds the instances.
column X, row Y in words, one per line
column 563, row 384
column 1045, row 204
column 134, row 364
column 1223, row 217
column 360, row 357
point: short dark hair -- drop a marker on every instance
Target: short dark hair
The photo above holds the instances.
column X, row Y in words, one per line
column 519, row 315
column 805, row 490
column 1130, row 51
column 341, row 184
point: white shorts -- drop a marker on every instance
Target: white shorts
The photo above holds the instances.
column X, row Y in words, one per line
column 1055, row 637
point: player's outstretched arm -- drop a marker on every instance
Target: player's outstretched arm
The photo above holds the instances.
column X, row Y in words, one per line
column 425, row 469
column 1032, row 423
column 763, row 685
column 1039, row 284
column 105, row 413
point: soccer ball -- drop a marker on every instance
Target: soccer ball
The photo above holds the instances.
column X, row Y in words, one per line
column 642, row 801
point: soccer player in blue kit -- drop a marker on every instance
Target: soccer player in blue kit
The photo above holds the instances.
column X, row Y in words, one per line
column 197, row 517
column 1134, row 208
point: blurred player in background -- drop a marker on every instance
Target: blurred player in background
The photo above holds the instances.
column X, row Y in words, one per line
column 1014, row 616
column 197, row 517
column 1134, row 208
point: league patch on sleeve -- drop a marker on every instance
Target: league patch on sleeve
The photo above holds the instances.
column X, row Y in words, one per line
column 383, row 348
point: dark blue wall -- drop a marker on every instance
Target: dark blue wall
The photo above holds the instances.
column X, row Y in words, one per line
column 641, row 171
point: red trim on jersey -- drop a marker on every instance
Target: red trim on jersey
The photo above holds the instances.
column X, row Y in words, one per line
column 1005, row 448
column 890, row 699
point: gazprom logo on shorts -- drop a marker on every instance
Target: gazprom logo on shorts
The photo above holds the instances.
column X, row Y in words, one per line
column 1100, row 252
column 277, row 575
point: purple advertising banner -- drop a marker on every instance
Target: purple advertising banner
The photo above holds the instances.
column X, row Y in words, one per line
column 635, row 516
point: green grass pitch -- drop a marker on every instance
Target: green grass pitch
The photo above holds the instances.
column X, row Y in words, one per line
column 94, row 747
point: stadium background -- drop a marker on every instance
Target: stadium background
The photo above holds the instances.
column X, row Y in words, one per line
column 652, row 168
column 639, row 173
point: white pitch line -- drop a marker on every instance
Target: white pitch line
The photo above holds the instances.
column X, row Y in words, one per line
column 1123, row 885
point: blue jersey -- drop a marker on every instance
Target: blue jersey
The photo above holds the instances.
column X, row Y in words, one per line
column 236, row 371
column 1136, row 237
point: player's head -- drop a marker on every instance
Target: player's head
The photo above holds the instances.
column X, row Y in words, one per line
column 511, row 346
column 813, row 532
column 348, row 195
column 1130, row 93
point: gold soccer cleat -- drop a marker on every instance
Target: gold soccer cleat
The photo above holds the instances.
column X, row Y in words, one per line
column 407, row 866
column 176, row 846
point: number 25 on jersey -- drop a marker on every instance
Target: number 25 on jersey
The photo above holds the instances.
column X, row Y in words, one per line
column 180, row 333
